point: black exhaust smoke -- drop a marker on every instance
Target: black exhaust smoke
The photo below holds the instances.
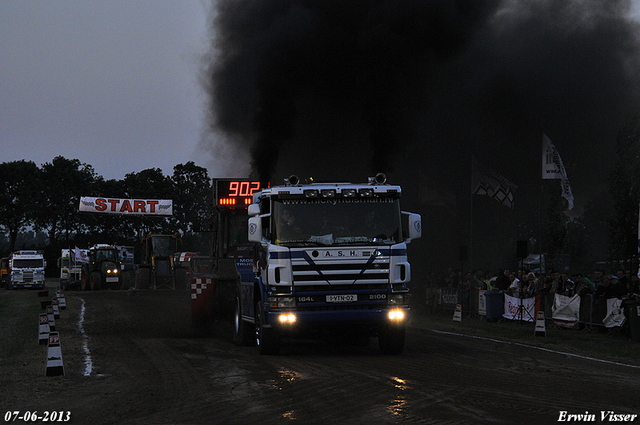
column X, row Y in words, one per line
column 349, row 88
column 280, row 63
column 352, row 88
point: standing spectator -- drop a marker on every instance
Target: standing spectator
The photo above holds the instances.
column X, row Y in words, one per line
column 555, row 283
column 514, row 286
column 622, row 287
column 503, row 282
column 564, row 284
column 531, row 285
column 583, row 285
column 598, row 278
column 569, row 288
column 478, row 279
column 606, row 288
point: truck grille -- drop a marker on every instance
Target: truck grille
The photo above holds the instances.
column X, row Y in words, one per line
column 327, row 275
column 27, row 277
column 336, row 288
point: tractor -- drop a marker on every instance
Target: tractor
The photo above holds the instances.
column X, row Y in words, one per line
column 103, row 269
column 157, row 270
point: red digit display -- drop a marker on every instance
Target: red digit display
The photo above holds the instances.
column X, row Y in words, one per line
column 235, row 193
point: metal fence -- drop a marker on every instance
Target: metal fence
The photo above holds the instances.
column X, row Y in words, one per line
column 592, row 310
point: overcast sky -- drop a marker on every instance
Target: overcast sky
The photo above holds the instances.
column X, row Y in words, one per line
column 111, row 83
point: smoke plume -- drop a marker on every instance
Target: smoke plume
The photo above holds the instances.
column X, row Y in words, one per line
column 342, row 89
column 281, row 63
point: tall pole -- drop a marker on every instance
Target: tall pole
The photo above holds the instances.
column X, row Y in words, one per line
column 540, row 209
column 540, row 227
column 470, row 259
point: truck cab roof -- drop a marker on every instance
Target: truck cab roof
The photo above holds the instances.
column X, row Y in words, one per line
column 27, row 255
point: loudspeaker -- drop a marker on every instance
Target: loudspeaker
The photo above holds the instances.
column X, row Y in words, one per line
column 522, row 249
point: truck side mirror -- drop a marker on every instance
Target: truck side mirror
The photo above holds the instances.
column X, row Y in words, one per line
column 253, row 210
column 414, row 226
column 255, row 228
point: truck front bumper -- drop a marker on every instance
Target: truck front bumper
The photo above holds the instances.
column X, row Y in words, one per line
column 27, row 285
column 294, row 319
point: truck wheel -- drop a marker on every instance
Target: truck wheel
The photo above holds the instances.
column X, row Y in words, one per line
column 391, row 338
column 267, row 339
column 84, row 281
column 242, row 334
column 96, row 281
column 125, row 280
column 143, row 278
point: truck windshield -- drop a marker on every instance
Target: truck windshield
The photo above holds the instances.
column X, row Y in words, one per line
column 28, row 264
column 374, row 221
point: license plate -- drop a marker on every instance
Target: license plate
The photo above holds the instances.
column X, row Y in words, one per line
column 112, row 279
column 342, row 298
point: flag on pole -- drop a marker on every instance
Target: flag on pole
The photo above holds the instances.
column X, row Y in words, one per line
column 553, row 168
column 488, row 182
column 81, row 255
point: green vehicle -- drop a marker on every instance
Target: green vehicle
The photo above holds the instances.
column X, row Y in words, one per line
column 103, row 269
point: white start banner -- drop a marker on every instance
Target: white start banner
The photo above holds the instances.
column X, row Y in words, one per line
column 160, row 207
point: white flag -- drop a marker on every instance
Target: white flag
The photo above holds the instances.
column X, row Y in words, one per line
column 553, row 168
column 81, row 255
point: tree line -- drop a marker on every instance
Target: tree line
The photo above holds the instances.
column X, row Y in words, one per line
column 45, row 199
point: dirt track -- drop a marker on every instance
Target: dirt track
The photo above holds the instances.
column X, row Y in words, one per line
column 150, row 367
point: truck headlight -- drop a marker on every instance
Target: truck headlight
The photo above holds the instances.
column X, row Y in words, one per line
column 287, row 318
column 396, row 315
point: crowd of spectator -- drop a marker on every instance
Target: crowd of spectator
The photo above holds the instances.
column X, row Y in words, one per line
column 594, row 290
column 623, row 284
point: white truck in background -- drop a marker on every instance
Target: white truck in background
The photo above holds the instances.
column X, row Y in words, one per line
column 70, row 265
column 27, row 269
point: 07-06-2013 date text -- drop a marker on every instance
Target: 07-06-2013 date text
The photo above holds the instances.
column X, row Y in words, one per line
column 46, row 416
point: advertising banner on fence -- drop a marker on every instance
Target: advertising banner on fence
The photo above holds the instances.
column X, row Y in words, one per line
column 615, row 314
column 447, row 296
column 519, row 308
column 482, row 303
column 566, row 311
column 159, row 207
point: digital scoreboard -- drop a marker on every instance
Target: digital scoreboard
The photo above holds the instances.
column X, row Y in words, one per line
column 235, row 193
